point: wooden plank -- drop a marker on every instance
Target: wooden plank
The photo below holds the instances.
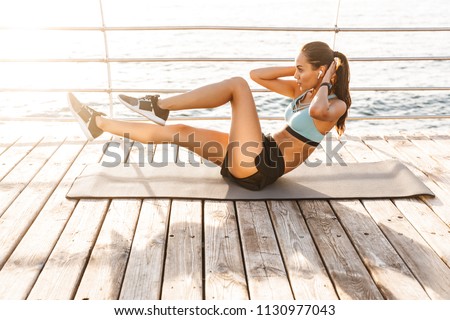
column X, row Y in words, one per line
column 427, row 223
column 183, row 274
column 388, row 270
column 351, row 278
column 143, row 277
column 224, row 270
column 307, row 274
column 360, row 151
column 443, row 141
column 266, row 274
column 183, row 265
column 105, row 270
column 439, row 156
column 439, row 153
column 224, row 267
column 421, row 161
column 432, row 229
column 16, row 220
column 6, row 142
column 23, row 173
column 26, row 262
column 104, row 273
column 418, row 256
column 439, row 204
column 14, row 154
column 351, row 281
column 423, row 262
column 436, row 149
column 63, row 271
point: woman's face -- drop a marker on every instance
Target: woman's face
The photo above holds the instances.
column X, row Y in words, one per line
column 307, row 78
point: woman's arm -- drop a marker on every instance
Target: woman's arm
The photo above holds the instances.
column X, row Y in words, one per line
column 320, row 108
column 269, row 78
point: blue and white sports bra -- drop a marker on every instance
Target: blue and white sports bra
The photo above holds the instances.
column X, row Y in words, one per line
column 299, row 122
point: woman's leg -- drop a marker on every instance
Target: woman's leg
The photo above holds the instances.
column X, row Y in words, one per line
column 209, row 144
column 245, row 138
column 244, row 142
column 209, row 96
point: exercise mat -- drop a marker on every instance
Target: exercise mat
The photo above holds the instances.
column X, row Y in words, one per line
column 384, row 179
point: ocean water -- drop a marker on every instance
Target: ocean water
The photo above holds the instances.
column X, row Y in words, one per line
column 21, row 38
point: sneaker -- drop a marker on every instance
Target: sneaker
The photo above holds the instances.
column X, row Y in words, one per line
column 85, row 117
column 146, row 106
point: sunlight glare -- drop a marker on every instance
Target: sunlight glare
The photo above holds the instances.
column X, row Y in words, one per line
column 31, row 14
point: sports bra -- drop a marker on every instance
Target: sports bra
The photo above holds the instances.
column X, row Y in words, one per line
column 299, row 122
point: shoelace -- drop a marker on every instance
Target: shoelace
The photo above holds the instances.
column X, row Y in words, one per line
column 148, row 97
column 92, row 111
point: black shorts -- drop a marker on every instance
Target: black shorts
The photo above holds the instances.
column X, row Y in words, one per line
column 269, row 162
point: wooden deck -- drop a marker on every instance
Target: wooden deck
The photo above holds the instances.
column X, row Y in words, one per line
column 56, row 248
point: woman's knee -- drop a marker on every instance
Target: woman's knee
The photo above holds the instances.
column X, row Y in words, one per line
column 182, row 134
column 238, row 83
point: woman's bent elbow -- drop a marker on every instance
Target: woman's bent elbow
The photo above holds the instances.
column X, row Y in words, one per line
column 318, row 113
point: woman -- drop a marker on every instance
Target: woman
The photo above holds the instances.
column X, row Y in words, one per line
column 248, row 157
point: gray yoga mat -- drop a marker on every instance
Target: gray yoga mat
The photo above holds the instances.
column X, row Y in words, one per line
column 386, row 179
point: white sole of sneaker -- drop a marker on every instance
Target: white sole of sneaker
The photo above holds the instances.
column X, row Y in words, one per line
column 149, row 115
column 72, row 103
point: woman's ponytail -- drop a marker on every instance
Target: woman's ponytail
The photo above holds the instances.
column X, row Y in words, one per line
column 341, row 88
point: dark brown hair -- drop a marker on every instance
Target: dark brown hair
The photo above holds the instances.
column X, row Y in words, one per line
column 320, row 54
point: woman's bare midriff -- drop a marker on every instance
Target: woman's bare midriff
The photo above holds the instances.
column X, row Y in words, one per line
column 294, row 151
